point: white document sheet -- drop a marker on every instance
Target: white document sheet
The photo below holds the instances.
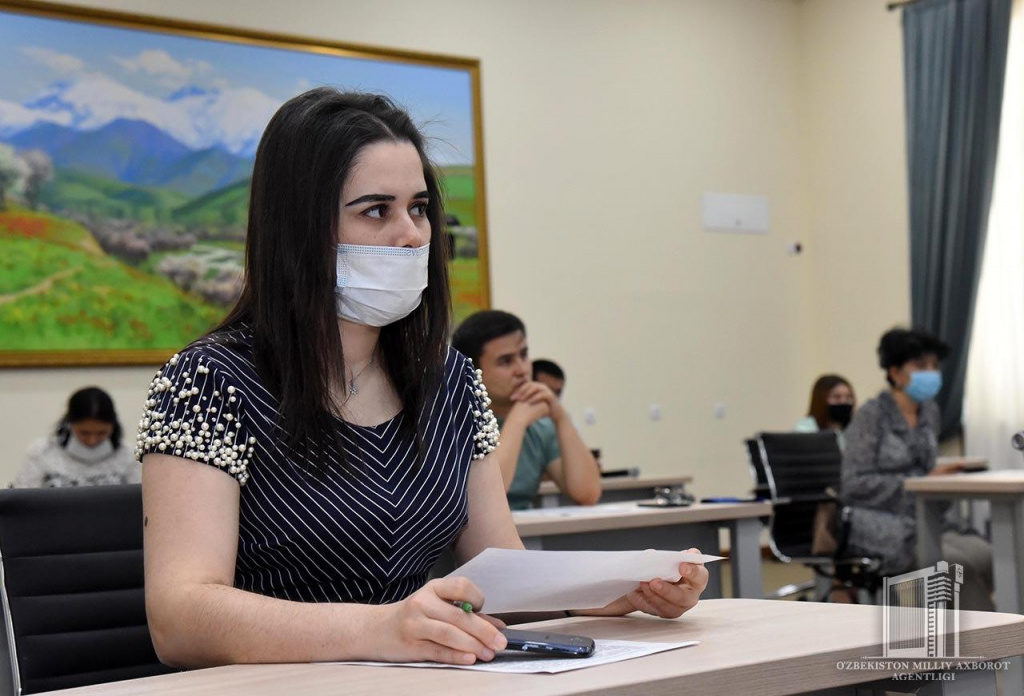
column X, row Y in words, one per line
column 605, row 652
column 516, row 580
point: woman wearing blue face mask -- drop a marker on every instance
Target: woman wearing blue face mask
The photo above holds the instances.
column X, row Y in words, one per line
column 892, row 437
column 85, row 450
column 306, row 463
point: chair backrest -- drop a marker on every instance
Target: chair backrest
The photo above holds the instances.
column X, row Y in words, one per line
column 72, row 587
column 762, row 491
column 800, row 468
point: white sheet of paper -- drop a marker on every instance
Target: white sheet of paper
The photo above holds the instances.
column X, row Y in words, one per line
column 516, row 580
column 605, row 652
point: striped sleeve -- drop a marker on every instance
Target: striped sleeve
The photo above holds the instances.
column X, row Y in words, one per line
column 193, row 411
column 485, row 425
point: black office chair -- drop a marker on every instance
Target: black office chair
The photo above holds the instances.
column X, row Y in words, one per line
column 762, row 491
column 803, row 472
column 72, row 588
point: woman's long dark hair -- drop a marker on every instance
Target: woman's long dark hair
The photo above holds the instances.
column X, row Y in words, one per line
column 288, row 298
column 89, row 403
column 818, row 408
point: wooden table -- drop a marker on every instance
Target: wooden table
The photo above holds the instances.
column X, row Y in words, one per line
column 613, row 490
column 1004, row 491
column 628, row 526
column 746, row 647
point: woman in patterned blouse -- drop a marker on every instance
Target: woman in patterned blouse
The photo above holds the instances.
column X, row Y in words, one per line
column 306, row 462
column 892, row 437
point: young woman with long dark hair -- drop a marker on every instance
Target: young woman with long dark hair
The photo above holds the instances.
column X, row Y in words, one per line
column 84, row 450
column 306, row 463
column 831, row 407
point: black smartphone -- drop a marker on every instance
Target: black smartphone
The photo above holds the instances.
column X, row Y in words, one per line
column 550, row 644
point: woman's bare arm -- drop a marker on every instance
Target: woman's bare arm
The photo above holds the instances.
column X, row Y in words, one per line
column 198, row 618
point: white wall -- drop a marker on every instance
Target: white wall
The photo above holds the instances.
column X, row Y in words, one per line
column 856, row 186
column 604, row 121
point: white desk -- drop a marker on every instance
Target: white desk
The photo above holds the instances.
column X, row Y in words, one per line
column 971, row 512
column 614, row 490
column 966, row 463
column 1004, row 491
column 627, row 526
column 762, row 647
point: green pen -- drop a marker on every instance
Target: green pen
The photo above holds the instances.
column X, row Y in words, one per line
column 464, row 606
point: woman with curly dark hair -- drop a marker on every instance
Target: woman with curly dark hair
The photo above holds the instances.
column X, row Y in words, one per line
column 894, row 436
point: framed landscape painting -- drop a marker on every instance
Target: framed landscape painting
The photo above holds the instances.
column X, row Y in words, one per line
column 126, row 150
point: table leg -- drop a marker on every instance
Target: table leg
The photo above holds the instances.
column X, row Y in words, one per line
column 965, row 683
column 533, row 543
column 1013, row 678
column 1008, row 572
column 929, row 530
column 1008, row 554
column 745, row 554
column 549, row 500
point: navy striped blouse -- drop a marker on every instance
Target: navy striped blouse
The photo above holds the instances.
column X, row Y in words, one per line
column 369, row 535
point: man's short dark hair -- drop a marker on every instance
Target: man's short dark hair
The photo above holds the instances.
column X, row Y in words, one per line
column 899, row 346
column 478, row 329
column 547, row 367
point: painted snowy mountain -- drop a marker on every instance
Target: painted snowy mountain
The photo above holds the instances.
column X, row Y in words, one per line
column 230, row 120
column 136, row 152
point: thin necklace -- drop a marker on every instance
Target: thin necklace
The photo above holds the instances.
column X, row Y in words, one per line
column 352, row 390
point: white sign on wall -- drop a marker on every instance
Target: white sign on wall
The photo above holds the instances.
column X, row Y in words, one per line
column 731, row 212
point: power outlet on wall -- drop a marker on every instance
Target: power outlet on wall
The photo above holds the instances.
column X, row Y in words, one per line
column 655, row 412
column 590, row 416
column 719, row 411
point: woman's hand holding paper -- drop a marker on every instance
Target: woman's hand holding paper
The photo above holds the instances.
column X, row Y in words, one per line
column 659, row 597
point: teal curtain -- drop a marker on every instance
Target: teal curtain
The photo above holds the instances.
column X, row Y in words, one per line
column 954, row 54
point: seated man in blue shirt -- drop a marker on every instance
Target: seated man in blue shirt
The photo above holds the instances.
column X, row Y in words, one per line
column 537, row 434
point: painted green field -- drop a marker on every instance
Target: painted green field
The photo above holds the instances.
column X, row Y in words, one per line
column 460, row 194
column 223, row 207
column 61, row 292
column 467, row 294
column 108, row 198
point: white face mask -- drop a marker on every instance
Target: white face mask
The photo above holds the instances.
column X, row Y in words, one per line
column 86, row 454
column 378, row 286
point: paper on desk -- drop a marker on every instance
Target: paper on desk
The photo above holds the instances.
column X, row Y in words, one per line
column 605, row 652
column 516, row 580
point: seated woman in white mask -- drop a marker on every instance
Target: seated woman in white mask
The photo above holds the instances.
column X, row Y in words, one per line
column 84, row 451
column 306, row 462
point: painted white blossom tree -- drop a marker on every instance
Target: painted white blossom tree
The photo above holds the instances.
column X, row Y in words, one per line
column 12, row 174
column 40, row 170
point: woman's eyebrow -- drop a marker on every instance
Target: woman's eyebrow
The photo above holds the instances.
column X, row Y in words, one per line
column 371, row 198
column 382, row 198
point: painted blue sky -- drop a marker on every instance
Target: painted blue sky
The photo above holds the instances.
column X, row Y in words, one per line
column 201, row 91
